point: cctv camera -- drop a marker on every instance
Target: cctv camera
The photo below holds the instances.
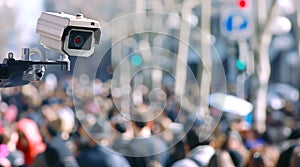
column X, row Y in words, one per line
column 68, row 34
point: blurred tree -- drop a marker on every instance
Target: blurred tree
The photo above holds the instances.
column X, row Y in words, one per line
column 262, row 40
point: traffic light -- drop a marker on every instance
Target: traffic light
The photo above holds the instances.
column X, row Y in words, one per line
column 241, row 65
column 136, row 60
column 243, row 4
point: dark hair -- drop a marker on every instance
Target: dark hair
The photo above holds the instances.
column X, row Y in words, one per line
column 295, row 134
column 236, row 157
column 140, row 124
column 257, row 160
column 1, row 139
column 52, row 131
column 120, row 127
column 193, row 139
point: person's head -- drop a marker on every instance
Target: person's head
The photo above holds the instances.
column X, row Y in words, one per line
column 295, row 134
column 221, row 159
column 295, row 157
column 53, row 103
column 51, row 123
column 265, row 156
column 219, row 140
column 197, row 134
column 93, row 131
column 141, row 121
column 139, row 124
column 67, row 117
column 120, row 127
column 234, row 140
column 30, row 141
column 193, row 139
column 28, row 133
column 50, row 129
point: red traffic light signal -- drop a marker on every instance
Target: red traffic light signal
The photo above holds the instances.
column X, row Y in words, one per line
column 242, row 3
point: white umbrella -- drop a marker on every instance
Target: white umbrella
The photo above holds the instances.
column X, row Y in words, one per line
column 230, row 104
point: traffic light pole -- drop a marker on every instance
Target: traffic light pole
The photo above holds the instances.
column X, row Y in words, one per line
column 245, row 71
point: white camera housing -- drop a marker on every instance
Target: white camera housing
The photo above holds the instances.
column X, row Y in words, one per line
column 68, row 34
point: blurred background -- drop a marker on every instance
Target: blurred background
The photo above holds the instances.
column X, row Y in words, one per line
column 233, row 64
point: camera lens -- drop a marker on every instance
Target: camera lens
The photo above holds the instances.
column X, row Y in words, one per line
column 78, row 41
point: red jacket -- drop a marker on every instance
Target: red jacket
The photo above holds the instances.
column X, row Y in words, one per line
column 33, row 137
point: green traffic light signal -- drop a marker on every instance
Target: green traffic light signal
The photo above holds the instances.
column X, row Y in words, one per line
column 241, row 65
column 136, row 60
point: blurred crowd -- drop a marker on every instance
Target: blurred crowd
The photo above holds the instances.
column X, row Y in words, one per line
column 68, row 123
column 75, row 122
